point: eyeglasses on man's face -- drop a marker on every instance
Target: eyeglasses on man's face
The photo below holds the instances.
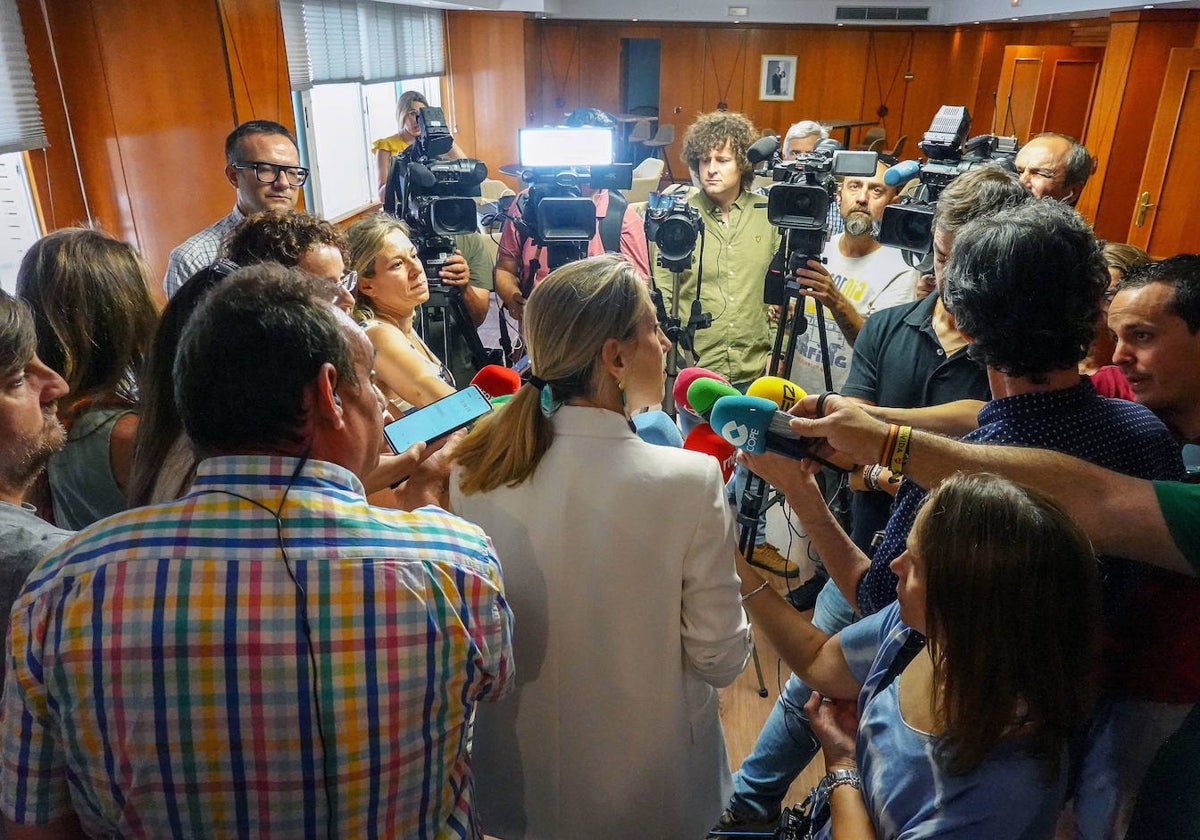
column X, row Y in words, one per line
column 349, row 280
column 268, row 173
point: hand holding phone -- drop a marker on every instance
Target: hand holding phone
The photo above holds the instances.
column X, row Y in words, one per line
column 438, row 419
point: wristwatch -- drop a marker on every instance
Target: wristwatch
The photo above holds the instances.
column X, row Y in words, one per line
column 836, row 778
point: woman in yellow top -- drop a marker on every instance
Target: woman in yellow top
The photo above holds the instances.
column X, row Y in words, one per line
column 407, row 107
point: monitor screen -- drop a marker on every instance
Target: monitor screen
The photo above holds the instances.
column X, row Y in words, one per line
column 565, row 147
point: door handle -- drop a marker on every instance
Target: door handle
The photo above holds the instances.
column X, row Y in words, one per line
column 1143, row 205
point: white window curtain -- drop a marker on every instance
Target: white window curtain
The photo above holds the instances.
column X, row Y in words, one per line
column 20, row 120
column 331, row 41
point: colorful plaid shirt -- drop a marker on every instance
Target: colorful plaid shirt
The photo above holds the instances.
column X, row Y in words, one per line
column 168, row 677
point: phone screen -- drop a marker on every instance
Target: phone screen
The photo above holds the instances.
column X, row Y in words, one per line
column 437, row 419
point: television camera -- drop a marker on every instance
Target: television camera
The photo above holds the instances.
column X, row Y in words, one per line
column 908, row 224
column 435, row 199
column 557, row 163
column 798, row 203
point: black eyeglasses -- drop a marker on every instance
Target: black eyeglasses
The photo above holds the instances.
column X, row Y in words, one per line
column 268, row 173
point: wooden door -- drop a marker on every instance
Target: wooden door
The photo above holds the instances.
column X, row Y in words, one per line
column 1170, row 221
column 1046, row 88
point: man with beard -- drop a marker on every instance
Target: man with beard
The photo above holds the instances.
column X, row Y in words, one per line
column 858, row 276
column 29, row 433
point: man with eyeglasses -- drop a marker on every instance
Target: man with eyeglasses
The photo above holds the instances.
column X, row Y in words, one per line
column 262, row 162
column 1054, row 165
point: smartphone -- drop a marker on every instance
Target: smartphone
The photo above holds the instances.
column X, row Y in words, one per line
column 438, row 419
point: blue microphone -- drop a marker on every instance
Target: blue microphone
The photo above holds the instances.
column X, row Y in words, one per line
column 901, row 173
column 756, row 425
column 658, row 428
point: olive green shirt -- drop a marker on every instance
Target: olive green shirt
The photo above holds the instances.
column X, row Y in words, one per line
column 735, row 258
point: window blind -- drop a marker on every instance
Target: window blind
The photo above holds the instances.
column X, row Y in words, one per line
column 20, row 119
column 331, row 41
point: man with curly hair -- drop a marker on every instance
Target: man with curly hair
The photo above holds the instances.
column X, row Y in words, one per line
column 736, row 251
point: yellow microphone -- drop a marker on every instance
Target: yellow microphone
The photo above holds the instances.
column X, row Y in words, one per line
column 778, row 390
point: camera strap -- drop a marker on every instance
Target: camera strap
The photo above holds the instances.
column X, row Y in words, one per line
column 610, row 225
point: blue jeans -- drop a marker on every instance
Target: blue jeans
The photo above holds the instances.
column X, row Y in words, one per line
column 786, row 743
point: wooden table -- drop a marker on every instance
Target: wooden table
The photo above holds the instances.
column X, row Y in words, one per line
column 845, row 126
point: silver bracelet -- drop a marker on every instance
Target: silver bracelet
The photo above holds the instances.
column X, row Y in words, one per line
column 836, row 778
column 752, row 593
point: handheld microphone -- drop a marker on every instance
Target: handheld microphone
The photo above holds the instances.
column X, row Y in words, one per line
column 497, row 381
column 684, row 380
column 778, row 390
column 755, row 425
column 704, row 392
column 496, row 402
column 901, row 173
column 658, row 428
column 762, row 149
column 704, row 439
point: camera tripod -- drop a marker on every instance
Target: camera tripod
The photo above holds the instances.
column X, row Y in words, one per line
column 445, row 306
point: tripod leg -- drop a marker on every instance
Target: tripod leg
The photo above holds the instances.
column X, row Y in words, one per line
column 762, row 686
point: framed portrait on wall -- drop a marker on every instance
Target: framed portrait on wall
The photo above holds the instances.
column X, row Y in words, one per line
column 778, row 78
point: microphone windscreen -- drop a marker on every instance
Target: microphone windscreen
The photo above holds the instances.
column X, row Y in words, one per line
column 421, row 175
column 658, row 428
column 778, row 390
column 684, row 380
column 762, row 149
column 704, row 439
column 497, row 381
column 743, row 421
column 901, row 173
column 702, row 393
column 496, row 402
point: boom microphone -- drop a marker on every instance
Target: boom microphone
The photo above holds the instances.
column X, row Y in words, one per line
column 497, row 381
column 901, row 173
column 778, row 390
column 421, row 175
column 704, row 439
column 684, row 380
column 762, row 149
column 702, row 393
column 755, row 425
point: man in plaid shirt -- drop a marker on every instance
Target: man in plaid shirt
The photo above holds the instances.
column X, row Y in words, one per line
column 269, row 655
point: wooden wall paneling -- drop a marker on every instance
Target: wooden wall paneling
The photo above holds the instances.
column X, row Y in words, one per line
column 884, row 87
column 167, row 122
column 57, row 187
column 488, row 95
column 1123, row 111
column 1172, row 168
column 772, row 114
column 680, row 89
column 1017, row 93
column 939, row 78
column 256, row 61
column 1066, row 89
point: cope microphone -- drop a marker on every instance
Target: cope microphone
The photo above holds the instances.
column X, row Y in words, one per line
column 755, row 425
column 901, row 173
column 702, row 393
column 497, row 381
column 778, row 390
column 684, row 380
column 658, row 428
column 704, row 439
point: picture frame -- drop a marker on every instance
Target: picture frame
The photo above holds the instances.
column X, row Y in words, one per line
column 778, row 79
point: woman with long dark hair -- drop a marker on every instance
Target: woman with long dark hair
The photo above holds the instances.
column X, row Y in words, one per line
column 948, row 713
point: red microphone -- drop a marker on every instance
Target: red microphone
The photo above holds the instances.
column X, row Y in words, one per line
column 497, row 381
column 683, row 381
column 704, row 439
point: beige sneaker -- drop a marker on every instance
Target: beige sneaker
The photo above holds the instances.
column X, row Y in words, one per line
column 767, row 556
